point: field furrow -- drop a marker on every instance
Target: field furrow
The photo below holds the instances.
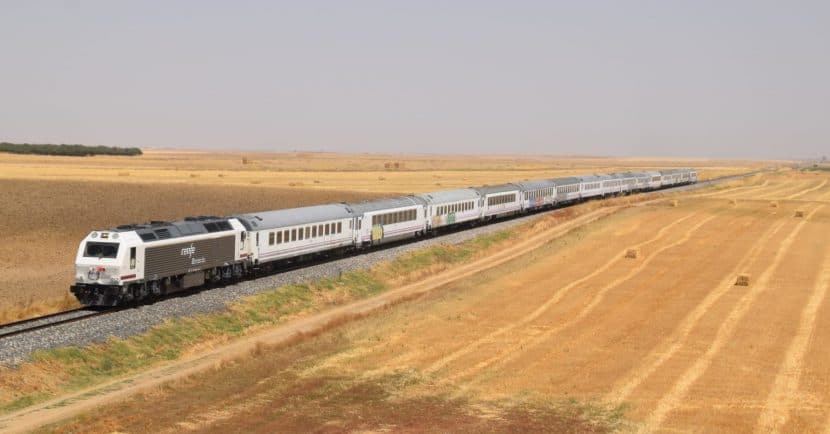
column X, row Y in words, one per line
column 682, row 386
column 785, row 389
column 675, row 341
column 558, row 295
column 518, row 346
column 807, row 191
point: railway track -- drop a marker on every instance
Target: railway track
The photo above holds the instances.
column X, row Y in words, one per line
column 74, row 315
column 51, row 320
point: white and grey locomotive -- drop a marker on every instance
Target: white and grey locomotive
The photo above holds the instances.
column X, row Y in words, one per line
column 135, row 262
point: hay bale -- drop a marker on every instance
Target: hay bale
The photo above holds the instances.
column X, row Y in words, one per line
column 632, row 253
column 773, row 204
column 674, row 203
column 733, row 201
column 742, row 280
column 799, row 214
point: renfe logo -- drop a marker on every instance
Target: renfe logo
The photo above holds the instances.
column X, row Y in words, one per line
column 189, row 252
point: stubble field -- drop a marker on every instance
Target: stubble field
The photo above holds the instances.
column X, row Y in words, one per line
column 568, row 337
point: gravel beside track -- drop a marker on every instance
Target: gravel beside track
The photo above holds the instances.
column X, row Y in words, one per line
column 129, row 322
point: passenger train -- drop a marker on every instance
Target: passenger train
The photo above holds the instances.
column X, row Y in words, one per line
column 135, row 262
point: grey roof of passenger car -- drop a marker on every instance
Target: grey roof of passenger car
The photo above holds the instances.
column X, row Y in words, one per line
column 566, row 180
column 447, row 196
column 361, row 208
column 533, row 185
column 294, row 216
column 591, row 178
column 499, row 188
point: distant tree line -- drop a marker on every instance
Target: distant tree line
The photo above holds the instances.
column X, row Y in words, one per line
column 71, row 150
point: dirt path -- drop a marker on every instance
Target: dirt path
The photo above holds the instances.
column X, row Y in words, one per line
column 67, row 406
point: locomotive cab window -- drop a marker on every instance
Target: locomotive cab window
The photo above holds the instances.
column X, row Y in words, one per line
column 101, row 250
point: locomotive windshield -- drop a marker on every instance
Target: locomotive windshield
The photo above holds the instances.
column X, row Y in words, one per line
column 101, row 250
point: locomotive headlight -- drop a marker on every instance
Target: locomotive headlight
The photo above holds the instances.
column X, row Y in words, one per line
column 95, row 235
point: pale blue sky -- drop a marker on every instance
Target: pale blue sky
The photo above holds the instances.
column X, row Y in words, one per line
column 694, row 78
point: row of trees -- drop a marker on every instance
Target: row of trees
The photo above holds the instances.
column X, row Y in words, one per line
column 71, row 150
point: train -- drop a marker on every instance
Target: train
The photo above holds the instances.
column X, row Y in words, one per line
column 136, row 262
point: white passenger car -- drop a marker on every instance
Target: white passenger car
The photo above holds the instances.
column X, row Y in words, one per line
column 499, row 200
column 385, row 220
column 537, row 194
column 567, row 189
column 298, row 232
column 591, row 186
column 446, row 208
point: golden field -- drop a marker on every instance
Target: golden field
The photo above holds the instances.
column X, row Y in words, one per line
column 552, row 330
column 327, row 172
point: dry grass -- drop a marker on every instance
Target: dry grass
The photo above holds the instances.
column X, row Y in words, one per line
column 35, row 307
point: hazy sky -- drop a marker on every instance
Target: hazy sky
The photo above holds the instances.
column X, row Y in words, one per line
column 692, row 78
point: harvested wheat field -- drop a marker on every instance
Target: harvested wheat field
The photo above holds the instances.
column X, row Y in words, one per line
column 328, row 172
column 576, row 335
